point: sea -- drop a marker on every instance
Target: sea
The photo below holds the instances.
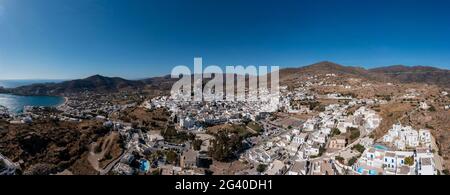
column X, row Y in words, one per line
column 15, row 103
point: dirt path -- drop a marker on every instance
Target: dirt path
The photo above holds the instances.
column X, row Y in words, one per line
column 95, row 158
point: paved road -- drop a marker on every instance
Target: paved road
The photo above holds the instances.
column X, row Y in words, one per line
column 113, row 163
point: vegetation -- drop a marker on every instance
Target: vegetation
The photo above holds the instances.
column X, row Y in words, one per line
column 108, row 156
column 384, row 97
column 156, row 172
column 152, row 156
column 354, row 133
column 225, row 146
column 428, row 126
column 171, row 157
column 261, row 168
column 321, row 108
column 409, row 160
column 313, row 104
column 335, row 131
column 351, row 94
column 197, row 144
column 255, row 126
column 340, row 159
column 358, row 147
column 446, row 172
column 352, row 161
column 172, row 135
column 321, row 150
column 432, row 108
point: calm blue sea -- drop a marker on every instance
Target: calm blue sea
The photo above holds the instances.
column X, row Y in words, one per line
column 16, row 103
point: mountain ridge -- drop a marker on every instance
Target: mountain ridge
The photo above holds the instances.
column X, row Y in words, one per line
column 99, row 83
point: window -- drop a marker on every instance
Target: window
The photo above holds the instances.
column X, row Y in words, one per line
column 385, row 160
column 392, row 160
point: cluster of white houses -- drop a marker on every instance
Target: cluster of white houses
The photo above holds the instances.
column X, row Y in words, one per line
column 403, row 137
column 194, row 115
column 314, row 136
column 379, row 160
column 411, row 154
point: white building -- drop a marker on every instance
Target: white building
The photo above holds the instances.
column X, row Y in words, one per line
column 187, row 123
column 425, row 137
column 300, row 139
column 426, row 166
column 406, row 137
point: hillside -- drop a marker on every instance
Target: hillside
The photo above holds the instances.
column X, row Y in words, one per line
column 328, row 68
column 417, row 74
column 101, row 84
column 96, row 83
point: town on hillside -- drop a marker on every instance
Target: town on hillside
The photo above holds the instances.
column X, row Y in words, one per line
column 325, row 123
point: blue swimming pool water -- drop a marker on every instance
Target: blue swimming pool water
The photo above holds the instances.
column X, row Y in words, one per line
column 360, row 170
column 381, row 147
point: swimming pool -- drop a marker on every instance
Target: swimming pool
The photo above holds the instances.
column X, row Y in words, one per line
column 381, row 147
column 360, row 170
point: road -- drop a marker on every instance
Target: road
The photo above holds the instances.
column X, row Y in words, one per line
column 113, row 163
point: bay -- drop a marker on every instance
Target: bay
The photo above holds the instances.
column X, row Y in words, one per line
column 16, row 103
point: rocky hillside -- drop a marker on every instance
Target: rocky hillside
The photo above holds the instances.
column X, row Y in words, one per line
column 101, row 84
column 416, row 74
column 95, row 83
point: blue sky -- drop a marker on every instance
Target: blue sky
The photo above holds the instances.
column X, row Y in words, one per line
column 66, row 39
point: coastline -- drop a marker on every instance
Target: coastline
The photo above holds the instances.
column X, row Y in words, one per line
column 66, row 100
column 19, row 100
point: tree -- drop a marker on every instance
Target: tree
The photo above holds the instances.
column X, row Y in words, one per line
column 352, row 161
column 358, row 147
column 340, row 159
column 321, row 150
column 354, row 132
column 409, row 160
column 108, row 156
column 432, row 108
column 335, row 131
column 225, row 145
column 261, row 168
column 197, row 144
column 171, row 157
column 446, row 172
column 156, row 172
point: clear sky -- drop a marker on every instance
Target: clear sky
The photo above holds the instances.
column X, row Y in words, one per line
column 65, row 39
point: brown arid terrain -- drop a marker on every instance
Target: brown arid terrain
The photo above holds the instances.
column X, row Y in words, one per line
column 145, row 119
column 49, row 147
column 224, row 168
